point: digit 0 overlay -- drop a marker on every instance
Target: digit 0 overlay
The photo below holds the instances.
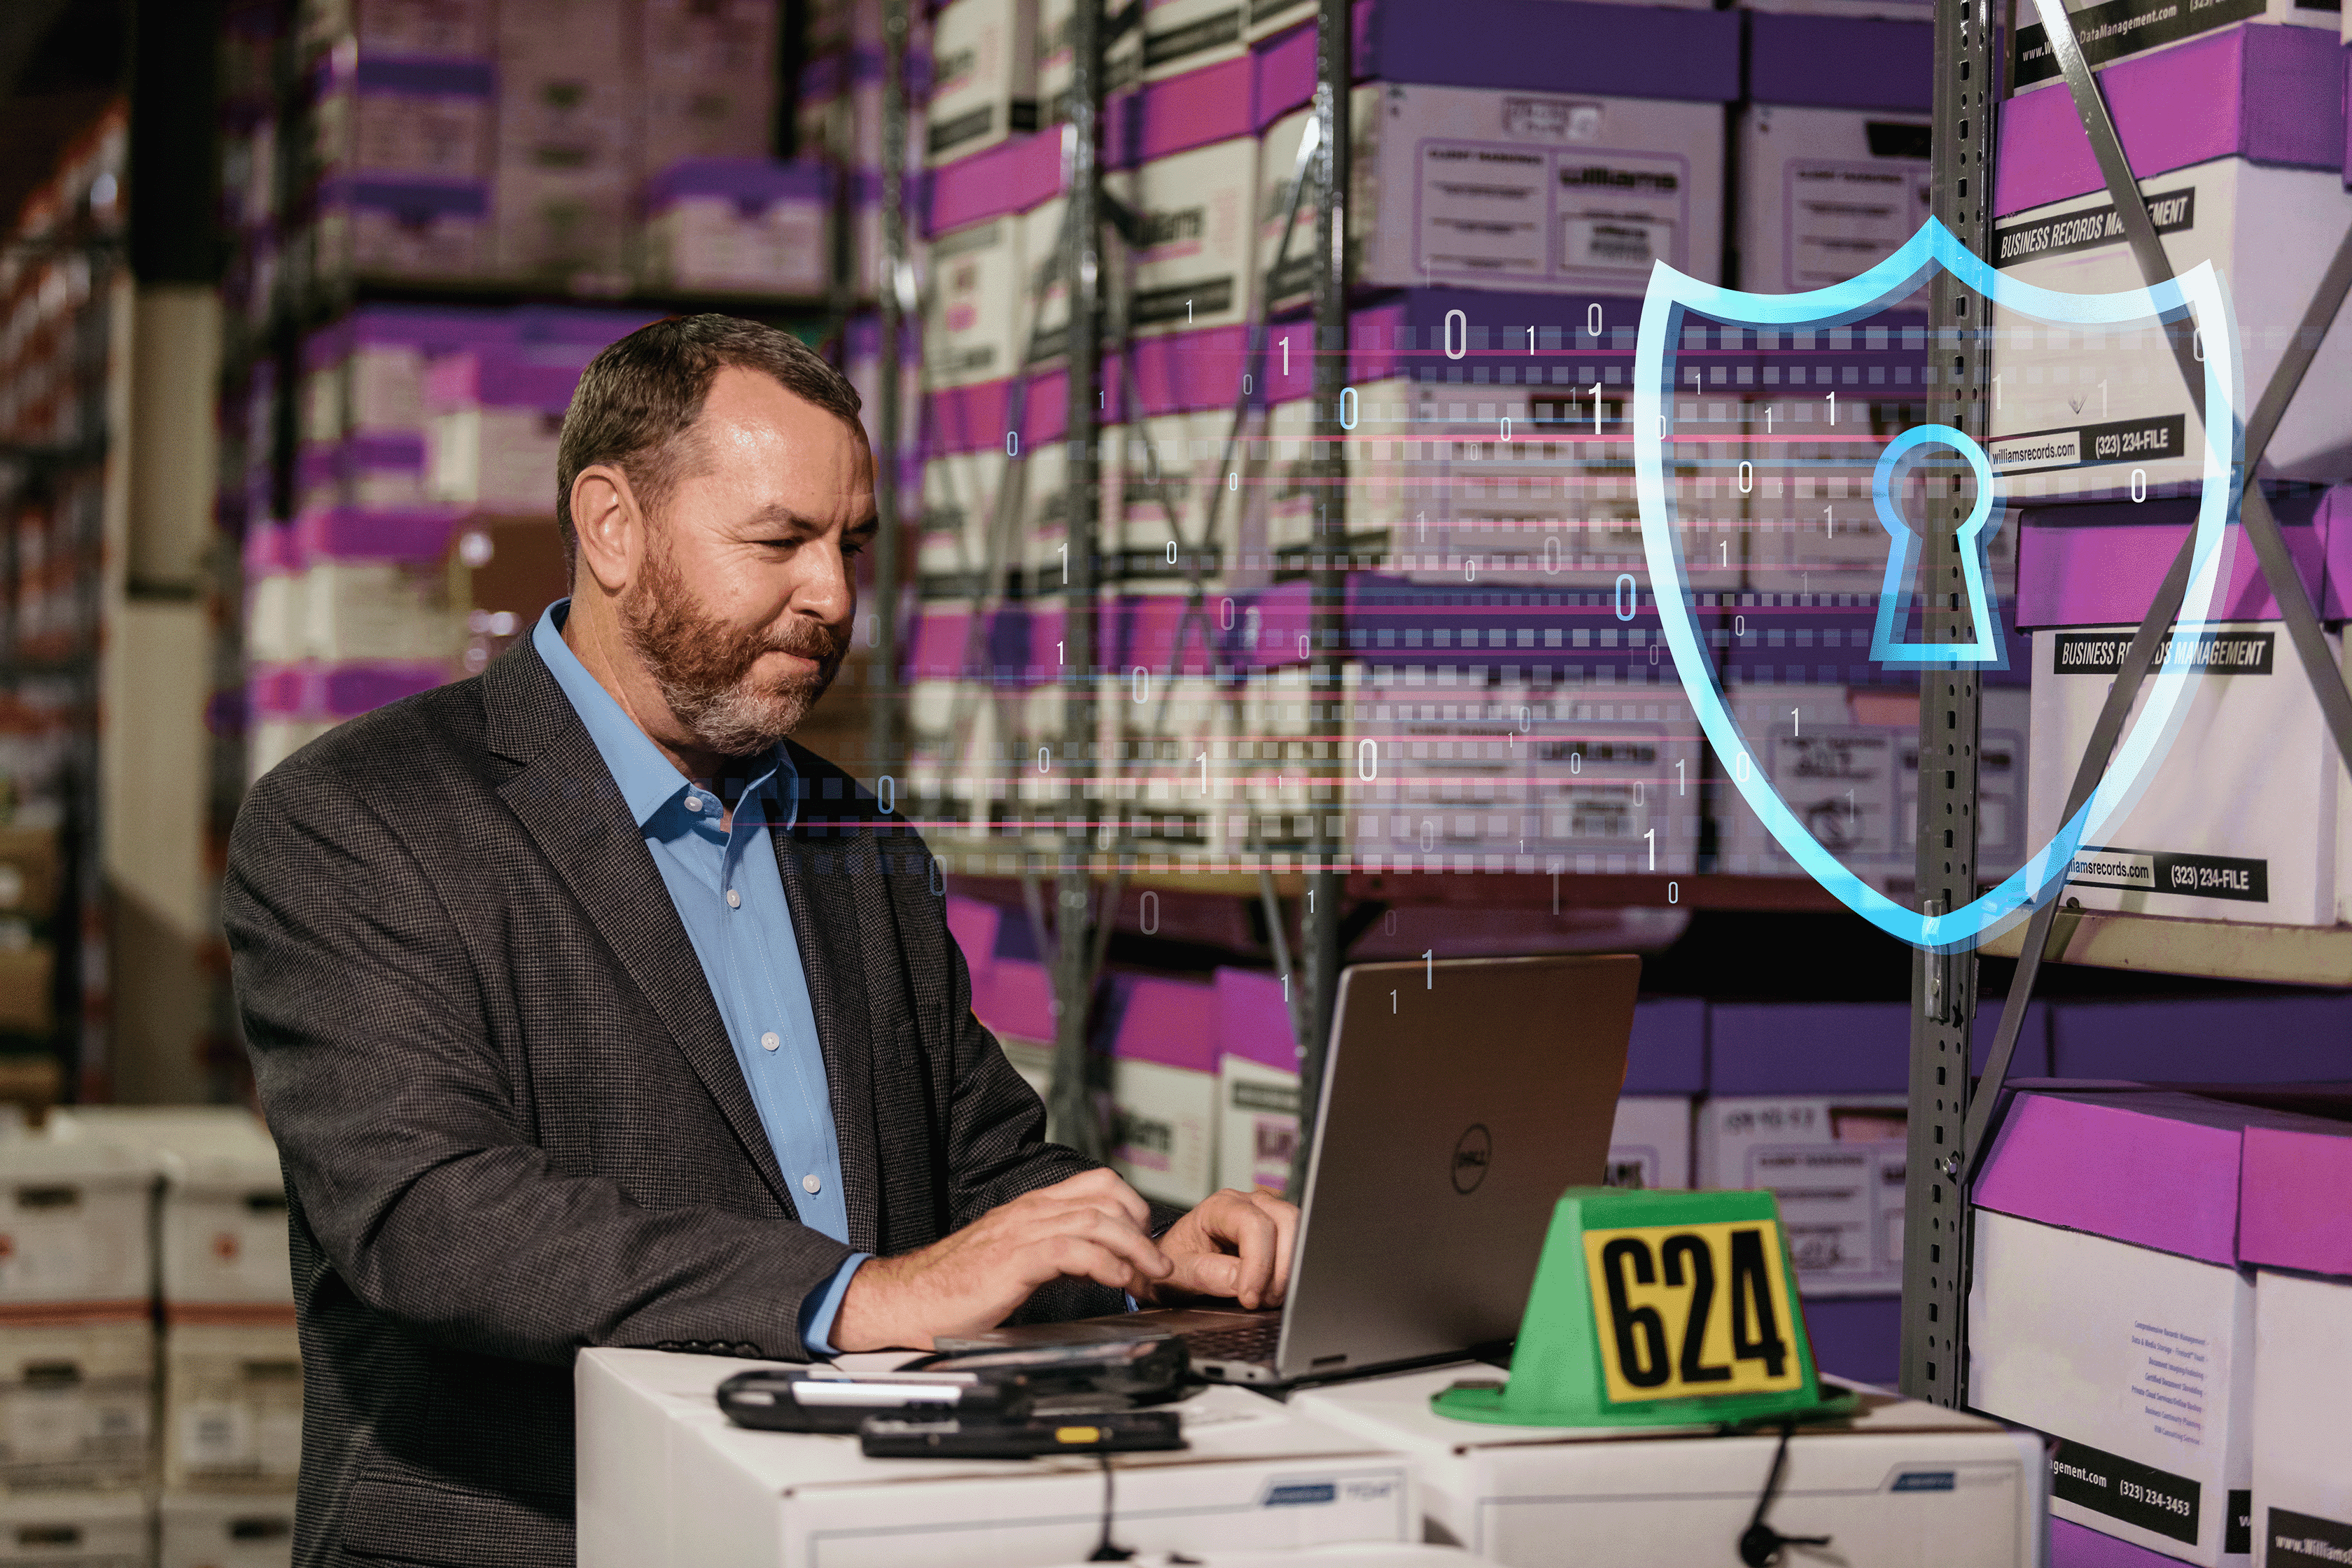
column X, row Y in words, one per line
column 1678, row 308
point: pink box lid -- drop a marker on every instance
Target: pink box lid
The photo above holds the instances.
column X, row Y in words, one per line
column 540, row 376
column 1010, row 177
column 1282, row 73
column 354, row 533
column 2100, row 565
column 1015, row 997
column 2158, row 1169
column 1172, row 1022
column 973, row 925
column 2262, row 90
column 1253, row 1019
column 2296, row 1212
column 1199, row 107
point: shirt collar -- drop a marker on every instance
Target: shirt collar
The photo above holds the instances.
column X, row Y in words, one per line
column 648, row 781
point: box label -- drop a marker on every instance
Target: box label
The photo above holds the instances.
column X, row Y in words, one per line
column 2173, row 212
column 2153, row 871
column 2219, row 653
column 2074, row 446
column 2121, row 28
column 2305, row 1540
column 2126, row 1490
column 1686, row 1311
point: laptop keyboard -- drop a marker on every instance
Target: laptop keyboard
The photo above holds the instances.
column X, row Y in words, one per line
column 1256, row 1340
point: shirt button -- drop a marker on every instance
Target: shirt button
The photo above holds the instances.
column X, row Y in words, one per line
column 810, row 1185
column 734, row 900
column 770, row 1041
column 693, row 800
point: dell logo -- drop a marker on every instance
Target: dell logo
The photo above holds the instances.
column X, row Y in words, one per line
column 1472, row 1153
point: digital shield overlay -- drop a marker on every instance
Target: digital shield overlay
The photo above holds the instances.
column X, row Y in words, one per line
column 1680, row 455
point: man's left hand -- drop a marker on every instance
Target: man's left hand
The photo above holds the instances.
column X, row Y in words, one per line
column 1234, row 1245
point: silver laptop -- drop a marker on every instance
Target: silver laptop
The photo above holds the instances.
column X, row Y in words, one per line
column 1460, row 1100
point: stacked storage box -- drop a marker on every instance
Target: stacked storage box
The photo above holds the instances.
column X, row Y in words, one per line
column 2111, row 1306
column 1665, row 1070
column 2292, row 1227
column 231, row 1368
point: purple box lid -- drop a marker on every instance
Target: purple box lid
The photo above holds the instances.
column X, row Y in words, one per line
column 1254, row 1021
column 1841, row 62
column 865, row 338
column 1010, row 177
column 346, row 690
column 1558, row 45
column 1282, row 69
column 434, row 329
column 2155, row 1168
column 2101, row 565
column 410, row 200
column 749, row 183
column 2292, row 1038
column 2076, row 1545
column 415, row 77
column 1842, row 1047
column 270, row 550
column 533, row 375
column 1268, row 628
column 1154, row 1019
column 2259, row 90
column 973, row 925
column 1015, row 997
column 592, row 326
column 276, row 689
column 2295, row 1210
column 351, row 534
column 1211, row 104
column 1667, row 1054
column 1181, row 372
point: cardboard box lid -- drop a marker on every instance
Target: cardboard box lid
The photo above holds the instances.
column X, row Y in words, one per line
column 1253, row 1019
column 2100, row 565
column 103, row 1164
column 1841, row 62
column 208, row 1149
column 2295, row 1211
column 2259, row 90
column 2156, row 1168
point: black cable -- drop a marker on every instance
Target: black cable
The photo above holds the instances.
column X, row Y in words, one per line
column 1760, row 1545
column 1104, row 1551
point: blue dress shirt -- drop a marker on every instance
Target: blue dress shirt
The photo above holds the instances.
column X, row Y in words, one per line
column 730, row 896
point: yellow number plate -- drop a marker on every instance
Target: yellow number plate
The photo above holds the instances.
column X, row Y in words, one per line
column 1687, row 1310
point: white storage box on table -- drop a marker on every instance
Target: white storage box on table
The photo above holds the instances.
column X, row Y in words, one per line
column 221, row 1225
column 77, row 1402
column 75, row 1226
column 2240, row 822
column 2253, row 184
column 204, row 1530
column 2295, row 1226
column 1898, row 1481
column 77, row 1530
column 666, row 1481
column 2108, row 1308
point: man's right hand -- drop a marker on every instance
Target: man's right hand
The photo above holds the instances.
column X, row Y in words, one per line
column 1090, row 1227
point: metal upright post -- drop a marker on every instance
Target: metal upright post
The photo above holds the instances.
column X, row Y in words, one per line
column 883, row 696
column 1944, row 986
column 1327, row 564
column 1073, row 947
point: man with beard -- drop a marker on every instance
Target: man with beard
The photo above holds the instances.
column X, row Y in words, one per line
column 588, row 1009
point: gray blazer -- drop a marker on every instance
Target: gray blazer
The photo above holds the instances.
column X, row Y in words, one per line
column 512, row 1124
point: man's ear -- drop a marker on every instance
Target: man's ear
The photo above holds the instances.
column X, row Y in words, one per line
column 609, row 526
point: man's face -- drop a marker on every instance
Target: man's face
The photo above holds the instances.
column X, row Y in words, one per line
column 743, row 605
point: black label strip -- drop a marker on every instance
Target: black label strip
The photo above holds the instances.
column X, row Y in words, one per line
column 2221, row 652
column 2120, row 27
column 2172, row 212
column 2122, row 1489
column 2183, row 876
column 2305, row 1540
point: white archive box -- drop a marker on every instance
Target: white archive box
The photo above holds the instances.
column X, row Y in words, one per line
column 2139, row 1360
column 232, row 1407
column 1650, row 1143
column 1172, row 36
column 2302, row 1446
column 1191, row 259
column 1540, row 194
column 1826, row 193
column 984, row 75
column 1257, row 1123
column 666, row 1481
column 2114, row 30
column 1897, row 1481
column 75, row 1223
column 221, row 1237
column 76, row 1403
column 1835, row 1163
column 2239, row 822
column 77, row 1530
column 2082, row 411
column 978, row 330
column 211, row 1530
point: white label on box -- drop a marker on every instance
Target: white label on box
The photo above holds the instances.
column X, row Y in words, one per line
column 1650, row 1144
column 1835, row 1163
